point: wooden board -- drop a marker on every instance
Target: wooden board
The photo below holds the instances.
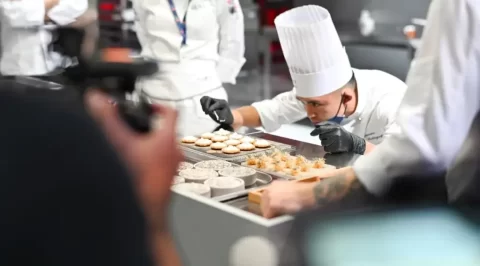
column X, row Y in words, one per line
column 255, row 196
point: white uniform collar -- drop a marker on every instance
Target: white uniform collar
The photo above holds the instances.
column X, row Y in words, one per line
column 363, row 89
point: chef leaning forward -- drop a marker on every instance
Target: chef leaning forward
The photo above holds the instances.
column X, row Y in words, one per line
column 354, row 110
column 25, row 39
column 199, row 45
column 443, row 99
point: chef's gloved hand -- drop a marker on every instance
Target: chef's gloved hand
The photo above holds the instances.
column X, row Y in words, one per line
column 219, row 111
column 335, row 139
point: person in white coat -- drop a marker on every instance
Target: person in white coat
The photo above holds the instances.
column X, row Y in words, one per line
column 25, row 40
column 199, row 45
column 440, row 108
column 359, row 105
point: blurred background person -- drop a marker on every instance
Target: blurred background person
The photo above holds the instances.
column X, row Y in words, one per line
column 67, row 198
column 26, row 39
column 200, row 45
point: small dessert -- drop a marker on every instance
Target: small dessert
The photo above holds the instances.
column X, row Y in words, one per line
column 222, row 132
column 246, row 146
column 248, row 139
column 203, row 143
column 207, row 135
column 294, row 172
column 262, row 143
column 184, row 165
column 219, row 138
column 197, row 175
column 199, row 189
column 252, row 161
column 218, row 145
column 213, row 164
column 230, row 150
column 279, row 168
column 236, row 136
column 189, row 139
column 305, row 168
column 232, row 142
column 318, row 164
column 261, row 164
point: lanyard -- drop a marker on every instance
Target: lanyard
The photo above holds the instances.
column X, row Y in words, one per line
column 181, row 24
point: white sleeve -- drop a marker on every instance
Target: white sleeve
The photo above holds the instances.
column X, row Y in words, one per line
column 22, row 13
column 67, row 11
column 231, row 47
column 282, row 109
column 441, row 101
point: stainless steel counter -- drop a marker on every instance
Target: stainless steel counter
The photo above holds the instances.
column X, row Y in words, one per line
column 205, row 229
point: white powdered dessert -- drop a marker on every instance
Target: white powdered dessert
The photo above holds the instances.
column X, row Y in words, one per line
column 247, row 139
column 232, row 142
column 197, row 175
column 222, row 132
column 246, row 174
column 212, row 165
column 199, row 189
column 184, row 165
column 246, row 146
column 218, row 145
column 189, row 139
column 207, row 135
column 203, row 142
column 260, row 143
column 231, row 150
column 219, row 138
column 225, row 185
column 236, row 136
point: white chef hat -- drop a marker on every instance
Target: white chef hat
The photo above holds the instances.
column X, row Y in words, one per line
column 314, row 54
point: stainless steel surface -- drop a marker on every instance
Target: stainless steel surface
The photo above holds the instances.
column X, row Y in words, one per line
column 262, row 179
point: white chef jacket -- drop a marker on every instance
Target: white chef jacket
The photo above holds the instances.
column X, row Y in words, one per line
column 214, row 52
column 24, row 41
column 379, row 95
column 442, row 99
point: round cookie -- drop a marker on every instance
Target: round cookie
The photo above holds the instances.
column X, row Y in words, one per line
column 236, row 136
column 232, row 142
column 189, row 139
column 207, row 135
column 218, row 145
column 248, row 139
column 222, row 132
column 230, row 150
column 203, row 143
column 246, row 146
column 262, row 143
column 219, row 138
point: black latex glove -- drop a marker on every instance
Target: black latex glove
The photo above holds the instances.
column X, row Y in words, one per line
column 335, row 139
column 218, row 110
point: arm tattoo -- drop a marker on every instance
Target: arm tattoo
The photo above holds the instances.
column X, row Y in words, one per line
column 335, row 188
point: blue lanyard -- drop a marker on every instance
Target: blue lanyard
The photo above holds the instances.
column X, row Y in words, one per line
column 181, row 24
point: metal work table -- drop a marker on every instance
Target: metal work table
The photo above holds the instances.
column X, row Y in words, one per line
column 205, row 229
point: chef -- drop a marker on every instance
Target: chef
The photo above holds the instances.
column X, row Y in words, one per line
column 26, row 39
column 199, row 44
column 354, row 110
column 439, row 110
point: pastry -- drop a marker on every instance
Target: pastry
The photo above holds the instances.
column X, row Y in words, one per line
column 232, row 142
column 262, row 143
column 247, row 139
column 203, row 142
column 225, row 185
column 218, row 145
column 318, row 164
column 236, row 136
column 219, row 138
column 230, row 150
column 199, row 189
column 222, row 132
column 252, row 161
column 189, row 139
column 213, row 164
column 184, row 165
column 207, row 135
column 197, row 175
column 246, row 146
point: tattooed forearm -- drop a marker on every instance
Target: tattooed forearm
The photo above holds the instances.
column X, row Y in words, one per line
column 335, row 188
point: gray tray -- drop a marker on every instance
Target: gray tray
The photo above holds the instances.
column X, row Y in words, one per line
column 239, row 157
column 263, row 179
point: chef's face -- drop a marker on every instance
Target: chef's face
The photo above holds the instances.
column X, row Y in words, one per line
column 320, row 109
